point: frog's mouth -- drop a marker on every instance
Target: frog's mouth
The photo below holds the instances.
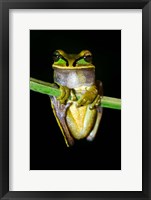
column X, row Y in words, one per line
column 73, row 68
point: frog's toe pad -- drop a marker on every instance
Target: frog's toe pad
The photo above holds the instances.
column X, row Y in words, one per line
column 96, row 102
column 90, row 138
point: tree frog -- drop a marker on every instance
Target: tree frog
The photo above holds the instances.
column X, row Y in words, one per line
column 77, row 109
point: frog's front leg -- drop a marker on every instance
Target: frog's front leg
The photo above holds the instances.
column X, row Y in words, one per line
column 92, row 96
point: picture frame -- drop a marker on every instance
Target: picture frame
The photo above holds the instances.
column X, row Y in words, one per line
column 4, row 100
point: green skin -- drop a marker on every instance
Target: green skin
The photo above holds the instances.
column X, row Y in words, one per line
column 75, row 75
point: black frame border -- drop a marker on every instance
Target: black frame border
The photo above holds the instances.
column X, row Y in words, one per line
column 5, row 5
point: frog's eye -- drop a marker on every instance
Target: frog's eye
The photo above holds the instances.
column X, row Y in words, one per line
column 56, row 56
column 88, row 58
column 84, row 60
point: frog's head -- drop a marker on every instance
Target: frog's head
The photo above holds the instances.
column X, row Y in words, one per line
column 63, row 60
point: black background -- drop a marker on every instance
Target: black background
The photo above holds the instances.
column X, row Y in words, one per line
column 48, row 150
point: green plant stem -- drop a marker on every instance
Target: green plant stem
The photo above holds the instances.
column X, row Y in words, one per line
column 48, row 88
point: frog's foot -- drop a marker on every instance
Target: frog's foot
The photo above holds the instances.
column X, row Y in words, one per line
column 96, row 102
column 65, row 93
column 60, row 113
column 92, row 134
column 88, row 97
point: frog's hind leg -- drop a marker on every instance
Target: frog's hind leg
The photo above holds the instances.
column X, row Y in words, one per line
column 92, row 134
column 59, row 111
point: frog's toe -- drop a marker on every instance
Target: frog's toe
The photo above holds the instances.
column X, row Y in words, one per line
column 90, row 138
column 96, row 102
column 65, row 92
column 82, row 102
column 62, row 91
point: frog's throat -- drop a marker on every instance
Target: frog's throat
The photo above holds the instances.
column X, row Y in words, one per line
column 73, row 68
column 74, row 78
